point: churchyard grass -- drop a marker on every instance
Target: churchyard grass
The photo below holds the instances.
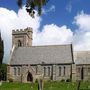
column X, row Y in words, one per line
column 47, row 86
column 18, row 86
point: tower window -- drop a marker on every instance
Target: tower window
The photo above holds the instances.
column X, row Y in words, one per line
column 19, row 43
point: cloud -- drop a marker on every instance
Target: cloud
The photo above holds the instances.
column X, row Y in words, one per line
column 82, row 20
column 51, row 9
column 53, row 34
column 82, row 35
column 69, row 7
column 49, row 35
column 10, row 20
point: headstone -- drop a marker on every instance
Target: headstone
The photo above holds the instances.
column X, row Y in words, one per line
column 1, row 83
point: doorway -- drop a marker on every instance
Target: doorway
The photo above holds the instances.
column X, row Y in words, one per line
column 29, row 77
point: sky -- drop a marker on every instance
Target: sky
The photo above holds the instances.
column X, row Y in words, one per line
column 61, row 22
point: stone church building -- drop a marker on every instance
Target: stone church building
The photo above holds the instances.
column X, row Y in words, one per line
column 51, row 62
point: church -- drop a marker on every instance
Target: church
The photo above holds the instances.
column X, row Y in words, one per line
column 51, row 62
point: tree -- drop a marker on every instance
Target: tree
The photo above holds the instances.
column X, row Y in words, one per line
column 33, row 4
column 3, row 72
column 3, row 67
column 1, row 50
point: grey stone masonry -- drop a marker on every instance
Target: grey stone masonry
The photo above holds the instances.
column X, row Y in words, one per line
column 22, row 37
column 73, row 72
column 51, row 54
column 54, row 72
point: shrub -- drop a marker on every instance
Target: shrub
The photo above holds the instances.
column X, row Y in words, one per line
column 36, row 81
column 62, row 80
column 10, row 80
column 68, row 80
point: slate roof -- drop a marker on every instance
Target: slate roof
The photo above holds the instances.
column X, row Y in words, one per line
column 82, row 57
column 42, row 54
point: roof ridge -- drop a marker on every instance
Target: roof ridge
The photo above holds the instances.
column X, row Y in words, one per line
column 47, row 45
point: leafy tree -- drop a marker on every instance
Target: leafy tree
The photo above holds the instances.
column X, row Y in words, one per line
column 1, row 50
column 3, row 72
column 33, row 4
column 3, row 67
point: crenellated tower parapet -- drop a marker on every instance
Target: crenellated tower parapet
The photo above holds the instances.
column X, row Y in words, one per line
column 22, row 37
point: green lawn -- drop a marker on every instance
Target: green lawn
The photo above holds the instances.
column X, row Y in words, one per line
column 18, row 86
column 47, row 86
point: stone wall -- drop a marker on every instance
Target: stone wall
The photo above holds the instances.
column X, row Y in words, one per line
column 22, row 35
column 48, row 72
column 83, row 72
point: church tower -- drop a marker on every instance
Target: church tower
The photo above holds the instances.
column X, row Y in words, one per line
column 22, row 38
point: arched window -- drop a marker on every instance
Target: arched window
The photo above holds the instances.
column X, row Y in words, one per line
column 14, row 71
column 18, row 71
column 48, row 71
column 44, row 71
column 88, row 69
column 19, row 43
column 59, row 71
column 64, row 70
